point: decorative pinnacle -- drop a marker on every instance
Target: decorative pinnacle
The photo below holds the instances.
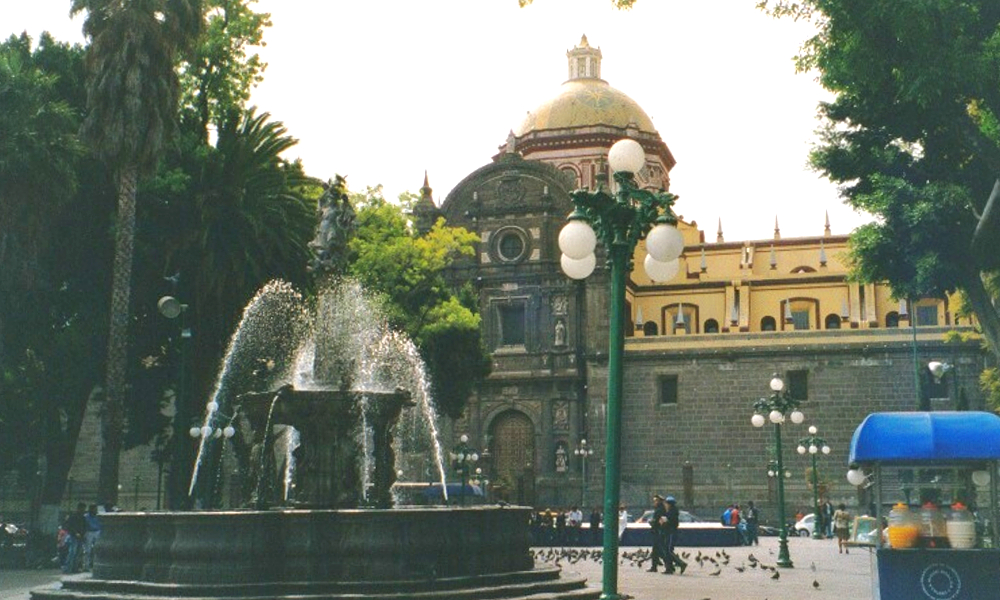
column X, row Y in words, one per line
column 777, row 230
column 826, row 226
column 718, row 236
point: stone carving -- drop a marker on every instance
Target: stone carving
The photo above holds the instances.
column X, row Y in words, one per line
column 560, row 415
column 562, row 458
column 559, row 336
column 559, row 305
column 336, row 225
column 510, row 191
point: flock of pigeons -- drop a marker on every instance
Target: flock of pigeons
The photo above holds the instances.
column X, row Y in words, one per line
column 638, row 558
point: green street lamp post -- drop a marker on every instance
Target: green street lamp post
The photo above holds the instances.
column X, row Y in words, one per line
column 462, row 457
column 813, row 444
column 779, row 406
column 619, row 220
column 584, row 452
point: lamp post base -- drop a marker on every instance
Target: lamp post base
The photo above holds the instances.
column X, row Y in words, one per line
column 784, row 559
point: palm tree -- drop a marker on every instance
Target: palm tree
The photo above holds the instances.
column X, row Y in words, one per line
column 132, row 92
column 245, row 216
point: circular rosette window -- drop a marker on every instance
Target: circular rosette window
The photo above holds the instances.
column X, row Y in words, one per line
column 511, row 245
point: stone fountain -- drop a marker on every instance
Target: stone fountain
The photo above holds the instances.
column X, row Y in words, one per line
column 337, row 537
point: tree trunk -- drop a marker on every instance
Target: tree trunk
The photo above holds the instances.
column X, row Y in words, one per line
column 985, row 311
column 112, row 417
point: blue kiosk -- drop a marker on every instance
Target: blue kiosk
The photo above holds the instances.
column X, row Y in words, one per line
column 942, row 458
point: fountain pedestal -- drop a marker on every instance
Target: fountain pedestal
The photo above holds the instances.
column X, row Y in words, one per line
column 330, row 459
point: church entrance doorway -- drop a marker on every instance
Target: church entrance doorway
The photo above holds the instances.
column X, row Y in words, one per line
column 513, row 449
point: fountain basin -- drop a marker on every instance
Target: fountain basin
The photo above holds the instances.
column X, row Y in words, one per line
column 282, row 546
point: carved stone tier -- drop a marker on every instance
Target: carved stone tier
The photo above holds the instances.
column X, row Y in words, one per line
column 330, row 455
column 256, row 547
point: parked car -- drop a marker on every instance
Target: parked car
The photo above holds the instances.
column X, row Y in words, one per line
column 805, row 526
column 685, row 517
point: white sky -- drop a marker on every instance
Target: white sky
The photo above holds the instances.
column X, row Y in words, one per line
column 379, row 90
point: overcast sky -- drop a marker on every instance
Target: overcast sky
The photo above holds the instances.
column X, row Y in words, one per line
column 380, row 90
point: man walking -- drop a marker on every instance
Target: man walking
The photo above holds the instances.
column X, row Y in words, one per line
column 752, row 519
column 670, row 531
column 658, row 524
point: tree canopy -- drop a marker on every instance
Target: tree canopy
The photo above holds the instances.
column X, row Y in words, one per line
column 389, row 257
column 912, row 137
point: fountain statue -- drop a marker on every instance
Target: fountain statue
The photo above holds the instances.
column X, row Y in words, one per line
column 316, row 518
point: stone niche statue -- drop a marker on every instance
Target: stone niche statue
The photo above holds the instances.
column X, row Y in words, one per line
column 562, row 458
column 559, row 335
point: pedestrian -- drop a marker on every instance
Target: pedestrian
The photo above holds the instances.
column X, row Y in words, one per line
column 726, row 514
column 842, row 528
column 826, row 509
column 657, row 524
column 595, row 525
column 76, row 529
column 91, row 537
column 573, row 520
column 671, row 530
column 561, row 527
column 622, row 521
column 752, row 519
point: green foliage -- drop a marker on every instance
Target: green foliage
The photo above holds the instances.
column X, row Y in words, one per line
column 132, row 88
column 222, row 68
column 912, row 135
column 387, row 257
column 989, row 382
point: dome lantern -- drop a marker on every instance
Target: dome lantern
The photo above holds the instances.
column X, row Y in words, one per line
column 584, row 61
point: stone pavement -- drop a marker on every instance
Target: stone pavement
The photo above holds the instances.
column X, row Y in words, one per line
column 15, row 584
column 840, row 576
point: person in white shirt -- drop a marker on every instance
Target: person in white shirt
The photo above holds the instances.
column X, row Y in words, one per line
column 573, row 521
column 622, row 520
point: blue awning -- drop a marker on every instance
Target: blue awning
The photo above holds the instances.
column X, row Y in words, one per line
column 926, row 436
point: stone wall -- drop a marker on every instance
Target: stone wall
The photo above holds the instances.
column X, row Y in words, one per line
column 709, row 428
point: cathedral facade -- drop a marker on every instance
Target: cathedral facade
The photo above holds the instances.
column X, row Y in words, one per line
column 700, row 347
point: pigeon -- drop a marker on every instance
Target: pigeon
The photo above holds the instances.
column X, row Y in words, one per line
column 741, row 568
column 815, row 584
column 776, row 575
column 812, row 567
column 716, row 572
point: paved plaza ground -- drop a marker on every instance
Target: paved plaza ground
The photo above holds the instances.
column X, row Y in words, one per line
column 840, row 577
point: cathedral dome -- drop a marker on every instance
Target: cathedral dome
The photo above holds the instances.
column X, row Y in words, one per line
column 586, row 102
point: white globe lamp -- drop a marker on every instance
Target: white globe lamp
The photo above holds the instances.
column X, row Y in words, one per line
column 826, row 449
column 661, row 271
column 627, row 156
column 801, row 449
column 664, row 242
column 812, row 430
column 776, row 417
column 797, row 417
column 578, row 269
column 856, row 477
column 777, row 384
column 577, row 239
column 757, row 420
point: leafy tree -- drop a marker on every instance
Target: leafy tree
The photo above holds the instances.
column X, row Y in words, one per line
column 912, row 137
column 54, row 207
column 222, row 69
column 388, row 257
column 132, row 92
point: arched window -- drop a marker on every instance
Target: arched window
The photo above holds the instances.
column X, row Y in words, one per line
column 711, row 326
column 892, row 319
column 768, row 324
column 649, row 328
column 803, row 269
column 832, row 321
